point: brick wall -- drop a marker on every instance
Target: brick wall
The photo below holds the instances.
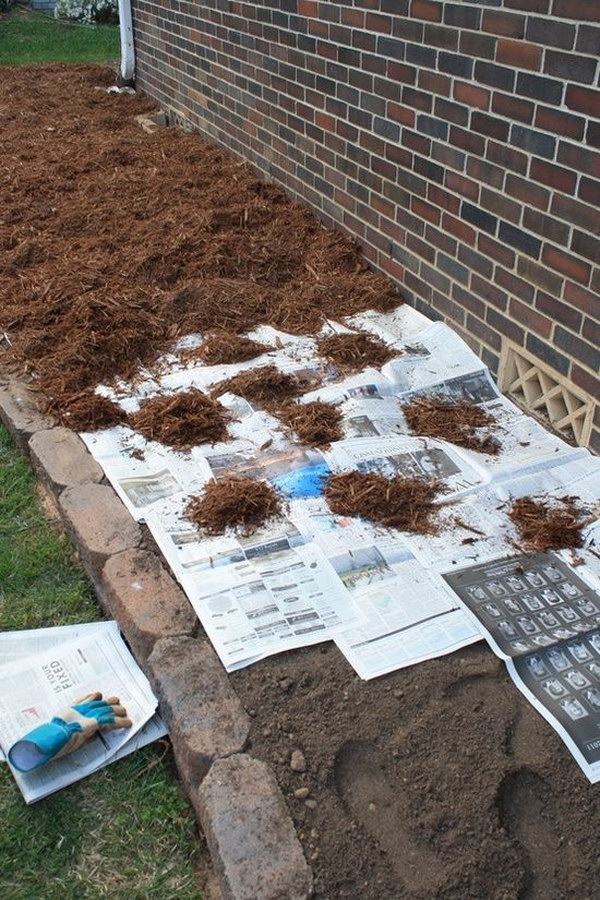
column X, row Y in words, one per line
column 455, row 140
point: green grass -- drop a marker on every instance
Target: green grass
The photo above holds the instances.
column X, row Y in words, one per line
column 125, row 832
column 28, row 37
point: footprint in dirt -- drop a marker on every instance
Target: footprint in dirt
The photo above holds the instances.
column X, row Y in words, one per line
column 525, row 803
column 365, row 791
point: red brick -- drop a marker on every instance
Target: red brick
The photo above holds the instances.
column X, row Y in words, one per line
column 585, row 100
column 527, row 192
column 424, row 9
column 484, row 288
column 503, row 23
column 559, row 122
column 353, row 17
column 425, row 210
column 554, row 176
column 461, row 185
column 576, row 213
column 557, row 310
column 459, row 228
column 540, row 6
column 374, row 22
column 589, row 191
column 586, row 381
column 506, row 326
column 308, row 8
column 435, row 83
column 403, row 114
column 500, row 252
column 576, row 9
column 519, row 54
column 402, row 73
column 439, row 197
column 471, row 95
column 582, row 299
column 514, row 285
column 566, row 264
column 513, row 108
column 392, row 268
column 500, row 205
column 531, row 319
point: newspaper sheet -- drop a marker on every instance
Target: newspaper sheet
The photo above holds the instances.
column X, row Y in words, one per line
column 38, row 686
column 341, row 577
column 410, row 615
column 255, row 595
column 543, row 619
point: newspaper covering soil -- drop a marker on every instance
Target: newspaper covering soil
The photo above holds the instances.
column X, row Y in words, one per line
column 437, row 781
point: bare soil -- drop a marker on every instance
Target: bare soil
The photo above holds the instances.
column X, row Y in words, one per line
column 438, row 782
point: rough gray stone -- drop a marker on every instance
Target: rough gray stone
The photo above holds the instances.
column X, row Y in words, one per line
column 62, row 460
column 99, row 525
column 145, row 600
column 250, row 835
column 20, row 413
column 205, row 718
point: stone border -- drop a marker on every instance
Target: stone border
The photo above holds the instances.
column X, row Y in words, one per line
column 238, row 804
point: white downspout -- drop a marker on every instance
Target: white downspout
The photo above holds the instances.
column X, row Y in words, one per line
column 127, row 67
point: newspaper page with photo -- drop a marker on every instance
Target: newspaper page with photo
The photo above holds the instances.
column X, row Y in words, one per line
column 542, row 617
column 37, row 687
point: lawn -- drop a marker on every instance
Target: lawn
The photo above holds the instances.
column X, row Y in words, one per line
column 29, row 37
column 125, row 832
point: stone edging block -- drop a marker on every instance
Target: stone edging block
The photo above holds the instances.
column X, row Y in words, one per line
column 99, row 525
column 249, row 833
column 62, row 460
column 205, row 718
column 20, row 412
column 145, row 600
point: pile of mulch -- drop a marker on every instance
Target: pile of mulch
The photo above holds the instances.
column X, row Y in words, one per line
column 182, row 420
column 406, row 503
column 240, row 503
column 354, row 352
column 114, row 243
column 265, row 386
column 543, row 525
column 224, row 347
column 89, row 412
column 456, row 421
column 316, row 424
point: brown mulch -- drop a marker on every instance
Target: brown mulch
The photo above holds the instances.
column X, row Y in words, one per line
column 316, row 424
column 264, row 386
column 182, row 420
column 354, row 352
column 224, row 347
column 114, row 242
column 544, row 525
column 89, row 412
column 233, row 502
column 406, row 503
column 456, row 421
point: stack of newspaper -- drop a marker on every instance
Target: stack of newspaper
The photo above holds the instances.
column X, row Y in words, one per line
column 45, row 670
column 387, row 598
